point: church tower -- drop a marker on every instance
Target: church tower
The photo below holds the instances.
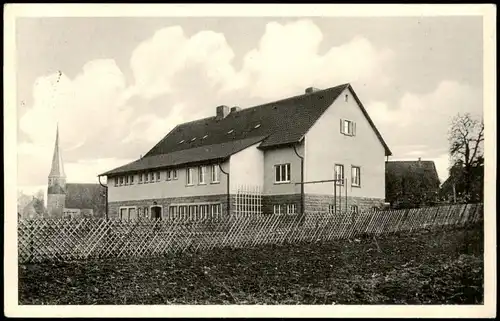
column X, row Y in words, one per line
column 56, row 193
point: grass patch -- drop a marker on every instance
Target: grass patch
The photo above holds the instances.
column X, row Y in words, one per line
column 426, row 267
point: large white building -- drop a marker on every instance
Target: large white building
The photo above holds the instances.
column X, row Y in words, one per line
column 316, row 136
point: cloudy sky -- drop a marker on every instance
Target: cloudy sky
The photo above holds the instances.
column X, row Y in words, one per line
column 117, row 85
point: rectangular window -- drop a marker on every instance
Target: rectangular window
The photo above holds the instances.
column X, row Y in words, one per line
column 121, row 180
column 277, row 209
column 201, row 174
column 347, row 127
column 131, row 179
column 174, row 173
column 169, row 175
column 146, row 177
column 126, row 180
column 132, row 214
column 339, row 174
column 116, row 181
column 152, row 179
column 140, row 178
column 189, row 176
column 355, row 176
column 291, row 209
column 173, row 212
column 193, row 212
column 123, row 214
column 331, row 208
column 215, row 173
column 158, row 176
column 128, row 213
column 204, row 210
column 282, row 173
column 183, row 212
column 216, row 209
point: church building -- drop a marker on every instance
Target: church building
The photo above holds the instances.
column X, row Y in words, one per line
column 72, row 200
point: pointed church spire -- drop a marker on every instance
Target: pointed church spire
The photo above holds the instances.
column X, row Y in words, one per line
column 57, row 169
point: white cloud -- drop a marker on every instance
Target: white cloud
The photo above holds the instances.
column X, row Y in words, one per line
column 150, row 128
column 156, row 61
column 287, row 60
column 83, row 106
column 100, row 117
column 418, row 125
column 86, row 171
column 90, row 110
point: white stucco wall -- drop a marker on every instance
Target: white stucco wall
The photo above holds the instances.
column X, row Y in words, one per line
column 166, row 189
column 326, row 146
column 282, row 156
column 247, row 168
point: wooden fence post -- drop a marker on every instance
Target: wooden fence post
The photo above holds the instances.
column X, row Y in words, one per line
column 31, row 243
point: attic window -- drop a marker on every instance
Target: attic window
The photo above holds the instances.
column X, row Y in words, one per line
column 182, row 141
column 194, row 138
column 257, row 126
column 205, row 136
column 229, row 132
column 346, row 98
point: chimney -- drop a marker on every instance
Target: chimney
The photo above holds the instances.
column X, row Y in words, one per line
column 310, row 90
column 221, row 112
column 235, row 109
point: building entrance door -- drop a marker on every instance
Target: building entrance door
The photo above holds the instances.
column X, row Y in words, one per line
column 156, row 212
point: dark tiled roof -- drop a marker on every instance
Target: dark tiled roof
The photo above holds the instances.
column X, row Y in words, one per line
column 281, row 122
column 186, row 156
column 82, row 196
column 400, row 168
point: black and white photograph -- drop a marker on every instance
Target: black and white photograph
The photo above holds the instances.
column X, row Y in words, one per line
column 220, row 160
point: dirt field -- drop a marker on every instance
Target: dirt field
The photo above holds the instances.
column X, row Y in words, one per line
column 427, row 267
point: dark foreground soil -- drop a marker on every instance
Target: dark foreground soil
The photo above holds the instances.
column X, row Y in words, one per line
column 438, row 267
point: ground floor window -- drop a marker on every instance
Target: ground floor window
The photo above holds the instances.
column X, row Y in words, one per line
column 194, row 211
column 128, row 213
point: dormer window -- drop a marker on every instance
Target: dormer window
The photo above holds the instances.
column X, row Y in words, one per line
column 205, row 136
column 194, row 138
column 257, row 126
column 182, row 141
column 229, row 132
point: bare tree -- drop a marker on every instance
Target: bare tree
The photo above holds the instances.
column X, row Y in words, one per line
column 466, row 137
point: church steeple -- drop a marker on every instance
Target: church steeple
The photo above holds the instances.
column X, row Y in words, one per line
column 57, row 169
column 56, row 191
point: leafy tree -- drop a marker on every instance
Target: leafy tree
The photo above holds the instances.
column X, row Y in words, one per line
column 22, row 200
column 466, row 139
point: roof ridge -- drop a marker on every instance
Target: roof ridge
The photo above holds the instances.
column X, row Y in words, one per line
column 297, row 96
column 197, row 120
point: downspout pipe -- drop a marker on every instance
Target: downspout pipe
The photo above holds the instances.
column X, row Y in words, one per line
column 228, row 190
column 301, row 179
column 106, row 189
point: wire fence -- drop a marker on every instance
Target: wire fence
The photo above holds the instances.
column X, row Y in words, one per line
column 61, row 240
